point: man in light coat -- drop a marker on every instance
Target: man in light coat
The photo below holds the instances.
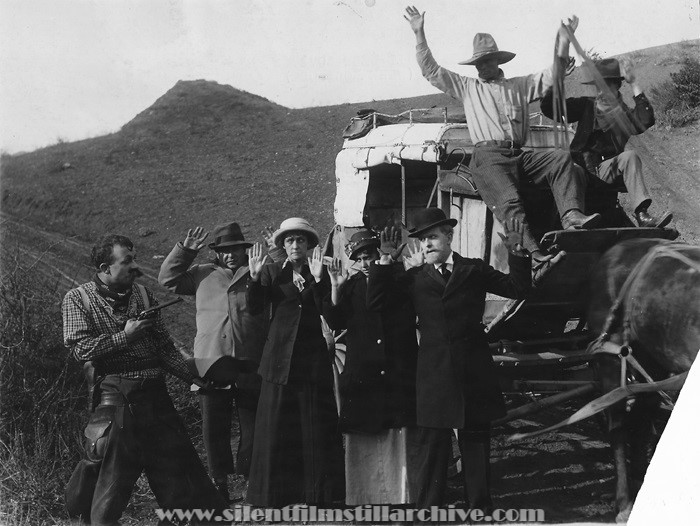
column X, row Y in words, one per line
column 228, row 344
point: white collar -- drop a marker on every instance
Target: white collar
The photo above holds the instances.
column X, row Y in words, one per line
column 449, row 261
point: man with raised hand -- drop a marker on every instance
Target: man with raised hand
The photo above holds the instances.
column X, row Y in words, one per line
column 497, row 113
column 456, row 385
column 605, row 124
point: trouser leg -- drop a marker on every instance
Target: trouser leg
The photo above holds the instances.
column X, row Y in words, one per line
column 627, row 167
column 475, row 446
column 217, row 409
column 173, row 467
column 428, row 451
column 121, row 465
column 496, row 174
column 246, row 407
column 556, row 169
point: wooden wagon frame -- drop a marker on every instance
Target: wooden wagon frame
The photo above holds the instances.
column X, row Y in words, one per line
column 397, row 165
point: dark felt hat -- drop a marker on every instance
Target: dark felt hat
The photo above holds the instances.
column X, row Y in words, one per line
column 229, row 235
column 609, row 68
column 360, row 241
column 485, row 47
column 428, row 218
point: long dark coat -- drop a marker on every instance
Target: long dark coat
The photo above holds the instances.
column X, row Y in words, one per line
column 377, row 385
column 295, row 323
column 456, row 382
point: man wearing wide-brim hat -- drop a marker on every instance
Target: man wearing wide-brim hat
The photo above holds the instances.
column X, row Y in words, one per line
column 497, row 113
column 605, row 125
column 456, row 383
column 228, row 344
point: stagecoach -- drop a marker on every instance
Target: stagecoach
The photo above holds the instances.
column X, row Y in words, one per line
column 391, row 166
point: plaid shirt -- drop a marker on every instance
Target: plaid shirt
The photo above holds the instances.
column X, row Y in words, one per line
column 98, row 335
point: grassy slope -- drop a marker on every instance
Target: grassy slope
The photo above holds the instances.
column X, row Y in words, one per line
column 206, row 153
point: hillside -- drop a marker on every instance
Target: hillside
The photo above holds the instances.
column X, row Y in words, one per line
column 206, row 153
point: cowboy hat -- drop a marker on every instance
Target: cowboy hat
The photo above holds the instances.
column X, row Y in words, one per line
column 295, row 224
column 229, row 235
column 428, row 218
column 609, row 68
column 485, row 47
column 360, row 241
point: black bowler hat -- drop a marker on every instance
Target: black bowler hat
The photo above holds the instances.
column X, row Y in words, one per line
column 362, row 240
column 428, row 218
column 229, row 235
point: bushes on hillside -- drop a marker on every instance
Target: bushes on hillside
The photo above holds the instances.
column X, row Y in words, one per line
column 43, row 397
column 677, row 100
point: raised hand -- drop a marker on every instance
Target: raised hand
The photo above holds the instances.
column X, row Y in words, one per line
column 337, row 272
column 267, row 236
column 256, row 260
column 415, row 18
column 627, row 70
column 513, row 236
column 316, row 264
column 415, row 257
column 194, row 240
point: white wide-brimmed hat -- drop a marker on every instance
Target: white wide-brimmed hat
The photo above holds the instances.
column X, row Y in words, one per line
column 295, row 224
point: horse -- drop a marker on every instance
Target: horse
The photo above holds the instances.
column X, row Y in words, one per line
column 645, row 305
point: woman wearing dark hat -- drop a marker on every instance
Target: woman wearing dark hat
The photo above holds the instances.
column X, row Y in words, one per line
column 378, row 383
column 228, row 344
column 298, row 451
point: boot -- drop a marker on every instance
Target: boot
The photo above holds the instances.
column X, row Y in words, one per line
column 574, row 218
column 645, row 219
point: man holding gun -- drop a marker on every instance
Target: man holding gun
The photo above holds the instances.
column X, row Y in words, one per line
column 134, row 427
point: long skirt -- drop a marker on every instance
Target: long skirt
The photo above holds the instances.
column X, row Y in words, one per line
column 298, row 450
column 376, row 468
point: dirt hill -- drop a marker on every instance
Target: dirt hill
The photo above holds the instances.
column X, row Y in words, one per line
column 206, row 153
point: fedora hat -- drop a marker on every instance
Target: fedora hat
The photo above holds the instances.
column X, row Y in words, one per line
column 609, row 68
column 360, row 241
column 229, row 235
column 295, row 224
column 485, row 47
column 428, row 218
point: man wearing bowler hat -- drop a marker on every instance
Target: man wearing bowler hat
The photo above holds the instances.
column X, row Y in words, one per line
column 605, row 125
column 228, row 344
column 497, row 114
column 456, row 386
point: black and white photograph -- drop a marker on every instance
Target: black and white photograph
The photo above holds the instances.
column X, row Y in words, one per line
column 349, row 262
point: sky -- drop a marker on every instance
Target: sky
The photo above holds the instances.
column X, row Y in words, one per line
column 74, row 69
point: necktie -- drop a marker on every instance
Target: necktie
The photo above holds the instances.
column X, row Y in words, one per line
column 445, row 273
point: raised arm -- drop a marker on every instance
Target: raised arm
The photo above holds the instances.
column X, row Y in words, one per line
column 443, row 79
column 175, row 273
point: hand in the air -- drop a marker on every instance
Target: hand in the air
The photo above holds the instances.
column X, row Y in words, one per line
column 415, row 18
column 513, row 236
column 256, row 260
column 267, row 236
column 316, row 264
column 389, row 242
column 627, row 70
column 194, row 240
column 337, row 272
column 415, row 257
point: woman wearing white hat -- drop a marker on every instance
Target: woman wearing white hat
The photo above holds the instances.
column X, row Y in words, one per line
column 298, row 453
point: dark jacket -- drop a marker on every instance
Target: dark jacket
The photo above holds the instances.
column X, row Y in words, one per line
column 456, row 382
column 592, row 145
column 378, row 383
column 294, row 336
